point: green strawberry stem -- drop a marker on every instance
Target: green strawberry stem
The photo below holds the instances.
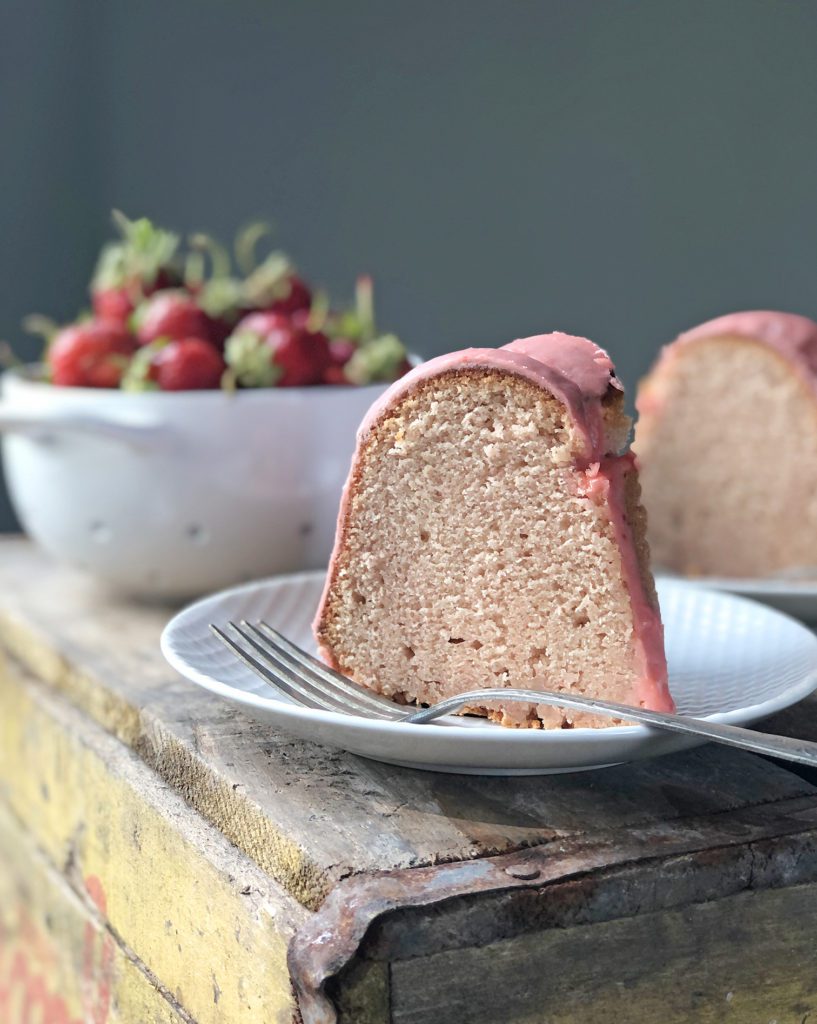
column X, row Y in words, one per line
column 251, row 361
column 194, row 271
column 229, row 381
column 41, row 326
column 8, row 358
column 137, row 259
column 136, row 376
column 221, row 296
column 364, row 305
column 319, row 310
column 245, row 244
column 220, row 261
column 377, row 360
column 269, row 281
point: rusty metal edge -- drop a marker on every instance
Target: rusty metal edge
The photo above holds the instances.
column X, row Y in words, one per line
column 323, row 948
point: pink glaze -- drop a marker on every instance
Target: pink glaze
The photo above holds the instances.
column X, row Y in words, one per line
column 578, row 374
column 573, row 370
column 792, row 336
column 578, row 359
column 605, row 484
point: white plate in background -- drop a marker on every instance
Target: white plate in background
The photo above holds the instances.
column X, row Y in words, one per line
column 797, row 597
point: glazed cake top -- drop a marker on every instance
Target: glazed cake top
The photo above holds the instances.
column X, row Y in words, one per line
column 574, row 370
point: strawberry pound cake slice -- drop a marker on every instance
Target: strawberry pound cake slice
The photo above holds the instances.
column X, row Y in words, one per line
column 491, row 534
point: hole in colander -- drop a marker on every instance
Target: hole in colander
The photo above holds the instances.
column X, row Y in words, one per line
column 197, row 534
column 101, row 533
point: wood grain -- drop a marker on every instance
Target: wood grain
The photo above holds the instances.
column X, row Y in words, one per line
column 746, row 958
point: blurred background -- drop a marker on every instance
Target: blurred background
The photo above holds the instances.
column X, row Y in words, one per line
column 615, row 169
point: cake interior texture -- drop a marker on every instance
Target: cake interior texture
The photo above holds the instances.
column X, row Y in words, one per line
column 727, row 441
column 475, row 552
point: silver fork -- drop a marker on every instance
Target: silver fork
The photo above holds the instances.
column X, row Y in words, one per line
column 307, row 681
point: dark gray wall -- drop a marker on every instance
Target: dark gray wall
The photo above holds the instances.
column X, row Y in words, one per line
column 618, row 169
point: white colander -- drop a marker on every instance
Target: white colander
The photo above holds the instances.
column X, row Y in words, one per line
column 167, row 494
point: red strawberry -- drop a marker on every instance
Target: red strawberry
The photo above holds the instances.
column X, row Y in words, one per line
column 297, row 356
column 262, row 323
column 298, row 297
column 303, row 355
column 341, row 351
column 112, row 304
column 92, row 354
column 173, row 315
column 117, row 304
column 187, row 365
column 335, row 375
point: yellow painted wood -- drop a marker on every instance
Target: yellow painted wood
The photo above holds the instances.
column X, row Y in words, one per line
column 58, row 962
column 206, row 921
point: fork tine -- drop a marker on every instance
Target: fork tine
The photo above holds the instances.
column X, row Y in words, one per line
column 352, row 695
column 323, row 675
column 270, row 677
column 301, row 688
column 252, row 663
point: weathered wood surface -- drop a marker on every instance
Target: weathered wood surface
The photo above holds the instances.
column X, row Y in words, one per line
column 747, row 958
column 200, row 916
column 442, row 939
column 308, row 815
column 429, row 891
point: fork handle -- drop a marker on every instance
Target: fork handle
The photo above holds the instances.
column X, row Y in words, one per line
column 783, row 747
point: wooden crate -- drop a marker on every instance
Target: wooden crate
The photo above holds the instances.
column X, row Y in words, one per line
column 209, row 869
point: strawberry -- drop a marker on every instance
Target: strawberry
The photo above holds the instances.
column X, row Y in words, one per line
column 297, row 296
column 264, row 322
column 334, row 374
column 274, row 287
column 341, row 351
column 92, row 354
column 132, row 268
column 171, row 314
column 117, row 304
column 187, row 365
column 112, row 304
column 302, row 354
column 268, row 348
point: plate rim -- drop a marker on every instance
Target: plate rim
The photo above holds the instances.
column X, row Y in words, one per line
column 477, row 733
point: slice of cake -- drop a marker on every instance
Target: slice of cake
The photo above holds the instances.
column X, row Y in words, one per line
column 491, row 535
column 727, row 442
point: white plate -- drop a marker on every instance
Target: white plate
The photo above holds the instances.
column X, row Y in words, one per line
column 793, row 596
column 730, row 660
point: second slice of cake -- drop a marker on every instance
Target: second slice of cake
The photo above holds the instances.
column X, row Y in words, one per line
column 491, row 534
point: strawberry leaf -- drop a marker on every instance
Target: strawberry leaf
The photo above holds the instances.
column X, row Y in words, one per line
column 269, row 281
column 377, row 360
column 135, row 260
column 137, row 376
column 251, row 360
